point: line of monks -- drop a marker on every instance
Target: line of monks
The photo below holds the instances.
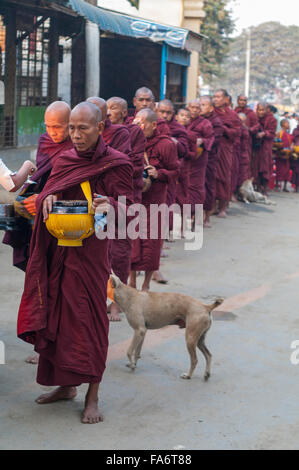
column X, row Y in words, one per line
column 201, row 155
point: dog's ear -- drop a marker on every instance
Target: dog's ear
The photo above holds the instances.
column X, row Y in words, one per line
column 114, row 281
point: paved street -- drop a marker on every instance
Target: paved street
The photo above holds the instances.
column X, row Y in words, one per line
column 250, row 402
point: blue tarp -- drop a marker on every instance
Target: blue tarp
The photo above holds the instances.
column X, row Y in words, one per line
column 130, row 26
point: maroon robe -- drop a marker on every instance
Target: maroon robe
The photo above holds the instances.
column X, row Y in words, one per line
column 212, row 161
column 203, row 129
column 118, row 137
column 63, row 308
column 251, row 121
column 178, row 132
column 283, row 164
column 161, row 152
column 137, row 157
column 231, row 129
column 262, row 164
column 245, row 154
column 19, row 240
column 295, row 163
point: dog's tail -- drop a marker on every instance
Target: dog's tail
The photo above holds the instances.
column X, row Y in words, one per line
column 216, row 304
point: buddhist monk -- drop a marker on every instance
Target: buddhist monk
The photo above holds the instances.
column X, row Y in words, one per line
column 54, row 140
column 262, row 166
column 208, row 112
column 63, row 307
column 116, row 136
column 166, row 112
column 162, row 169
column 117, row 113
column 295, row 159
column 200, row 130
column 144, row 98
column 245, row 152
column 251, row 117
column 283, row 163
column 231, row 131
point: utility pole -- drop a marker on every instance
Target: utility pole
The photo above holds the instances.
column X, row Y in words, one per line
column 248, row 56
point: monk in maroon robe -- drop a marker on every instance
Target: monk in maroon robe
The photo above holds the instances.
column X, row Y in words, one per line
column 245, row 152
column 50, row 144
column 231, row 130
column 295, row 161
column 201, row 132
column 63, row 307
column 117, row 113
column 144, row 98
column 163, row 167
column 182, row 193
column 208, row 112
column 282, row 163
column 251, row 117
column 118, row 137
column 262, row 163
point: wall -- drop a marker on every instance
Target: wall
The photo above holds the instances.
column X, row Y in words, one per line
column 30, row 124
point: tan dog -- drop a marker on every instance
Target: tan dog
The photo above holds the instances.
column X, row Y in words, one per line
column 248, row 194
column 153, row 310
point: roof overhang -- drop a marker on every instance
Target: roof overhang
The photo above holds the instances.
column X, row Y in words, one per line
column 135, row 27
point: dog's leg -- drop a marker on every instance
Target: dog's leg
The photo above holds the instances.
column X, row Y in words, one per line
column 138, row 338
column 191, row 346
column 208, row 356
column 138, row 349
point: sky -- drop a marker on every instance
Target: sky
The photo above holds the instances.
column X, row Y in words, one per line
column 254, row 12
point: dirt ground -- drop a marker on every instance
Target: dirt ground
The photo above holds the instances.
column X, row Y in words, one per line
column 250, row 402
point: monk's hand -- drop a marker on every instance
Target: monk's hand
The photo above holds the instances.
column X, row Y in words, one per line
column 260, row 135
column 48, row 205
column 30, row 204
column 101, row 204
column 152, row 172
column 199, row 142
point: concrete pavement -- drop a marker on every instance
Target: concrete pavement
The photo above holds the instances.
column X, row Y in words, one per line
column 250, row 402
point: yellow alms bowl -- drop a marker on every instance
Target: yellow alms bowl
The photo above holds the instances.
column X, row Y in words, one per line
column 296, row 149
column 69, row 228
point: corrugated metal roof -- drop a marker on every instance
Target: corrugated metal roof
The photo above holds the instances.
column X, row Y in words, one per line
column 131, row 26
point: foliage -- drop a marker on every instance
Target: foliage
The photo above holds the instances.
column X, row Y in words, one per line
column 135, row 3
column 274, row 71
column 218, row 25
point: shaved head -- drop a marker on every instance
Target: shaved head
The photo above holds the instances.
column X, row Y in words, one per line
column 117, row 109
column 148, row 114
column 85, row 126
column 89, row 109
column 206, row 105
column 120, row 101
column 144, row 98
column 165, row 110
column 57, row 117
column 146, row 119
column 143, row 90
column 167, row 103
column 101, row 105
column 194, row 108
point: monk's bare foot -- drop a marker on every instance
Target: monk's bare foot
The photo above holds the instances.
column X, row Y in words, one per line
column 60, row 393
column 158, row 277
column 163, row 254
column 91, row 413
column 145, row 288
column 109, row 308
column 233, row 198
column 222, row 215
column 114, row 313
column 33, row 359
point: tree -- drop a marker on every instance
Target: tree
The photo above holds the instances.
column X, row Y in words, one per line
column 135, row 3
column 274, row 71
column 218, row 25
